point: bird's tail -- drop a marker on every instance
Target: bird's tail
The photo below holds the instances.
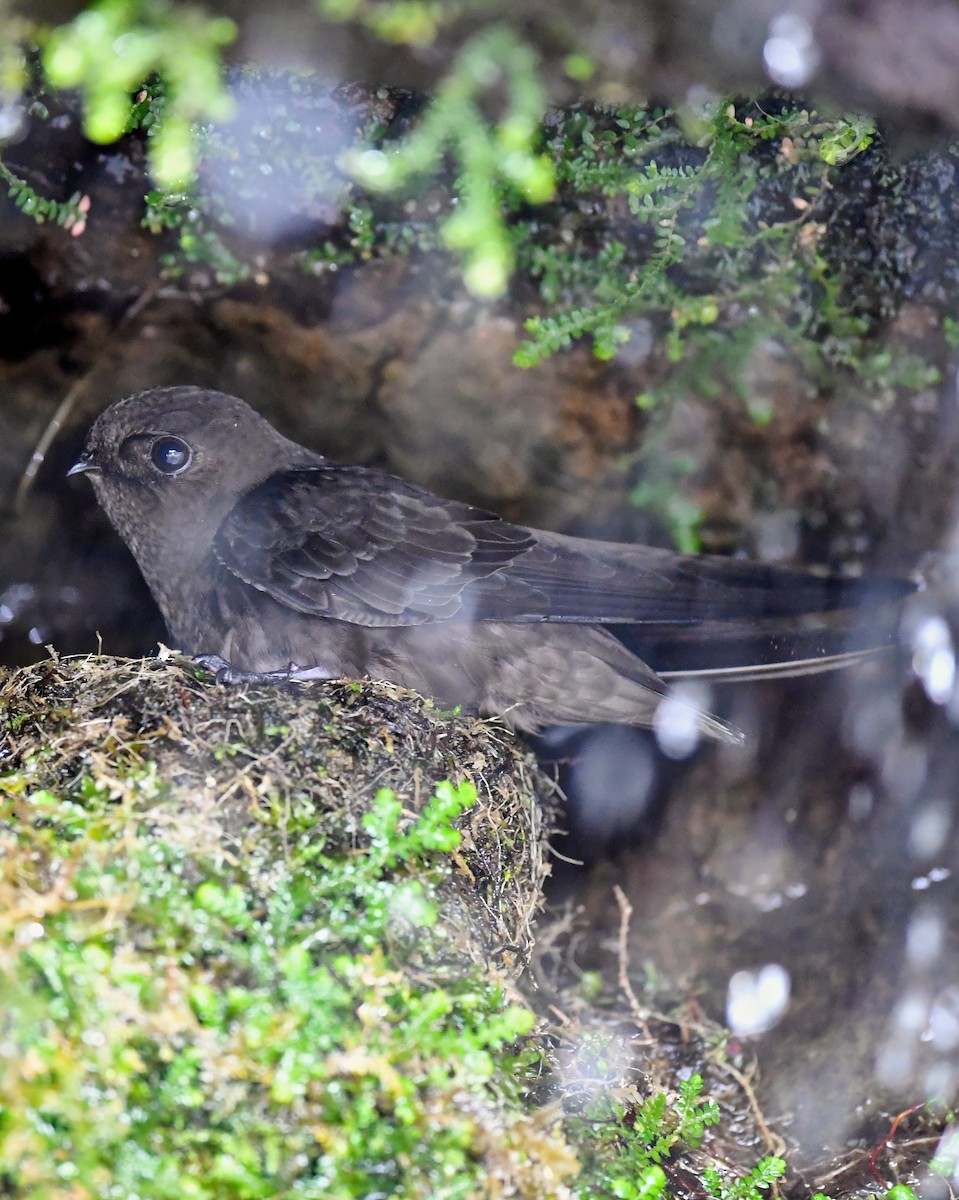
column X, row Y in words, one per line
column 766, row 648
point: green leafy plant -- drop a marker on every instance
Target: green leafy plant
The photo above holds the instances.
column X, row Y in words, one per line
column 625, row 1159
column 415, row 22
column 751, row 1186
column 197, row 241
column 493, row 163
column 658, row 493
column 727, row 249
column 71, row 214
column 850, row 135
column 109, row 51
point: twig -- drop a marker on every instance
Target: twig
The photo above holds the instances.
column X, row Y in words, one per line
column 56, row 422
column 625, row 915
column 885, row 1141
column 774, row 1142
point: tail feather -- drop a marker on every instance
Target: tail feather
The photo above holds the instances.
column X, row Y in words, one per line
column 729, row 651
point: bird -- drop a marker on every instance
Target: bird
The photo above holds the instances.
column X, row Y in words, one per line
column 270, row 561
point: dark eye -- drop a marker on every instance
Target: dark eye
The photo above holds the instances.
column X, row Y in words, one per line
column 170, row 455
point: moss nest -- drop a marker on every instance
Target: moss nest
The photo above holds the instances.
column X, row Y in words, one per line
column 263, row 942
column 226, row 756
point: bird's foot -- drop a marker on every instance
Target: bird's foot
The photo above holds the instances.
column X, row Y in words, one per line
column 225, row 673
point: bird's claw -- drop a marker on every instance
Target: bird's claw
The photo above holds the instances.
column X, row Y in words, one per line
column 220, row 669
column 225, row 673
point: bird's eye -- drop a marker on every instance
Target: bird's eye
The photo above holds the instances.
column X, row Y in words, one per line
column 170, row 455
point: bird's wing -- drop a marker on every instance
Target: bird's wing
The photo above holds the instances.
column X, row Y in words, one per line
column 363, row 546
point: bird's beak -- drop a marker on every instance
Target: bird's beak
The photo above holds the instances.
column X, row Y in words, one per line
column 84, row 466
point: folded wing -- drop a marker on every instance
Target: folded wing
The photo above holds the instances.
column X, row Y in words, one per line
column 363, row 546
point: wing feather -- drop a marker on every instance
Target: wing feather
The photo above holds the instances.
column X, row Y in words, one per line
column 363, row 546
column 366, row 547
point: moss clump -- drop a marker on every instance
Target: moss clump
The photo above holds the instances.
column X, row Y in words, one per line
column 229, row 970
column 177, row 1024
column 728, row 226
column 312, row 758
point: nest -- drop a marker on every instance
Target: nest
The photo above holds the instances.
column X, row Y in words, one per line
column 223, row 752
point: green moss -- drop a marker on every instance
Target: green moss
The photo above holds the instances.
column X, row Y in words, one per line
column 727, row 245
column 177, row 1024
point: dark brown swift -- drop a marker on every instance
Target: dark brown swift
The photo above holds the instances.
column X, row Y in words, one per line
column 267, row 558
